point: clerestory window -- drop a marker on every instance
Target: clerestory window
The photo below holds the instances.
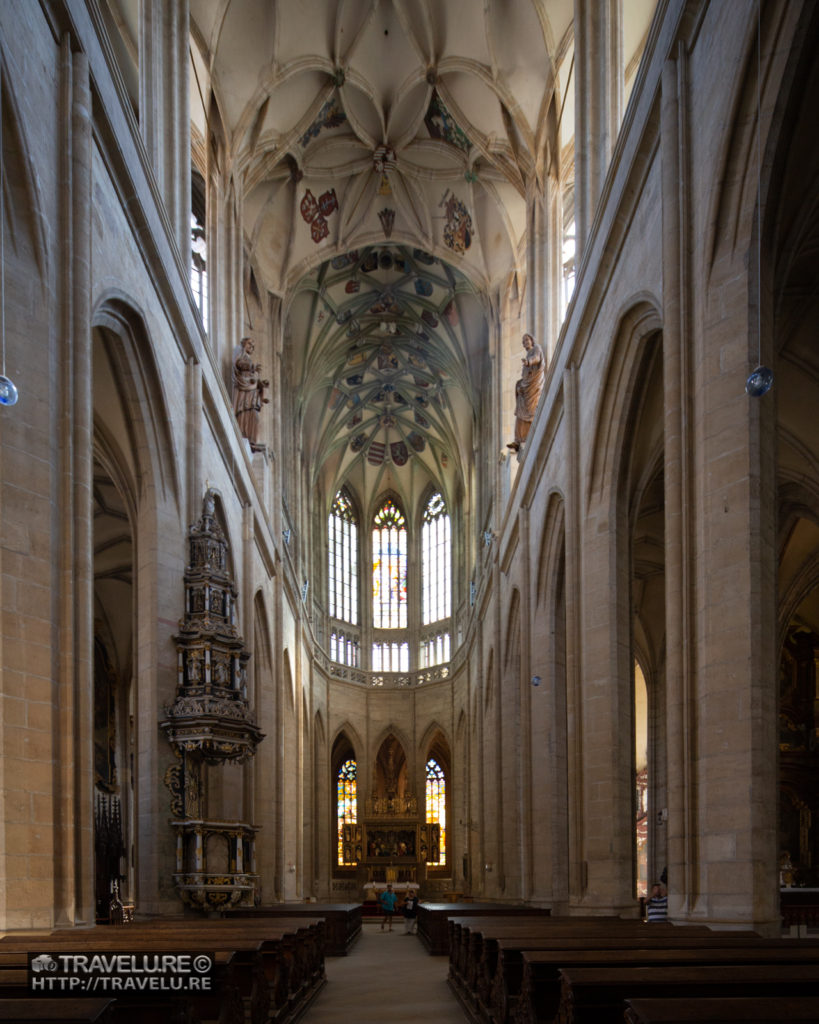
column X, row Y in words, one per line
column 389, row 567
column 405, row 620
column 436, row 561
column 342, row 530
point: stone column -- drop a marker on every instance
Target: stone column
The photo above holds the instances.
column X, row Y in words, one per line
column 598, row 48
column 226, row 261
column 543, row 271
column 74, row 810
column 578, row 863
column 683, row 866
column 164, row 110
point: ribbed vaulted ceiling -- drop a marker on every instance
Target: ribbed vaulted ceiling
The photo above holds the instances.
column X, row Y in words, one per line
column 359, row 132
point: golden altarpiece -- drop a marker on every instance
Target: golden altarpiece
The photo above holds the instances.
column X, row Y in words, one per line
column 392, row 843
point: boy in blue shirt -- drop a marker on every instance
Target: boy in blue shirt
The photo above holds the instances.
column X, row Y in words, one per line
column 387, row 899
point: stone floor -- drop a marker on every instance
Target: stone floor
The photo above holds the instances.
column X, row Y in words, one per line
column 388, row 978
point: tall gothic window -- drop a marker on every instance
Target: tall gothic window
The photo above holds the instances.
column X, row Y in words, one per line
column 435, row 650
column 347, row 811
column 390, row 657
column 436, row 806
column 436, row 547
column 569, row 267
column 436, row 596
column 389, row 568
column 344, row 648
column 199, row 268
column 343, row 561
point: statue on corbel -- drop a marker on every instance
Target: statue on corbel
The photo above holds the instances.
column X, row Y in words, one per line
column 248, row 392
column 527, row 390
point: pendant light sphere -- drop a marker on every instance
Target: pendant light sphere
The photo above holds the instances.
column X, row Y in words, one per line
column 8, row 392
column 760, row 382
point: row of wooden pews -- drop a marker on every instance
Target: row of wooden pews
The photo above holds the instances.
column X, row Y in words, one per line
column 434, row 918
column 593, row 970
column 342, row 921
column 264, row 972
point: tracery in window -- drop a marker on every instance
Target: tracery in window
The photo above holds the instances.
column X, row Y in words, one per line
column 389, row 568
column 390, row 657
column 199, row 271
column 435, row 650
column 342, row 531
column 347, row 809
column 436, row 807
column 569, row 269
column 436, row 552
column 344, row 648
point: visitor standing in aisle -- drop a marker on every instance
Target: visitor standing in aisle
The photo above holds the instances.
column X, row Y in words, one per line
column 387, row 899
column 410, row 912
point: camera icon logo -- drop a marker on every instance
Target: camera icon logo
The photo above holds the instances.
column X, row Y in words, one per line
column 43, row 962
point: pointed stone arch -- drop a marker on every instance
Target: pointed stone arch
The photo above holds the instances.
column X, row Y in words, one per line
column 552, row 547
column 262, row 664
column 638, row 329
column 489, row 682
column 288, row 682
column 122, row 338
column 392, row 776
column 346, row 735
column 511, row 651
column 436, row 743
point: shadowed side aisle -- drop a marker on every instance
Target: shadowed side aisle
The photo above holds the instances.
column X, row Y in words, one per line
column 388, row 976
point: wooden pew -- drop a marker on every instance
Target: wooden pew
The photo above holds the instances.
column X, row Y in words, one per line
column 342, row 921
column 734, row 947
column 297, row 968
column 55, row 1011
column 598, row 995
column 466, row 935
column 273, row 970
column 433, row 920
column 224, row 1003
column 474, row 945
column 730, row 1010
column 545, row 965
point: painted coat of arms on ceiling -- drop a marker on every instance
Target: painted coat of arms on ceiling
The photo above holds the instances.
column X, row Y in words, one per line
column 442, row 125
column 316, row 211
column 458, row 226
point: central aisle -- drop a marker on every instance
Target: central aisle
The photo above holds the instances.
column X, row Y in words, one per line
column 388, row 977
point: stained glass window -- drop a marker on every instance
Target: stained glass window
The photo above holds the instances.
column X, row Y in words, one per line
column 436, row 806
column 342, row 573
column 436, row 549
column 346, row 809
column 389, row 568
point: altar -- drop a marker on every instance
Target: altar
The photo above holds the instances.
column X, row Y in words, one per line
column 392, row 843
column 373, row 889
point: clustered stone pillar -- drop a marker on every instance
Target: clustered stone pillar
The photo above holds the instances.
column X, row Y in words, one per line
column 598, row 49
column 164, row 108
column 681, row 849
column 74, row 892
column 544, row 268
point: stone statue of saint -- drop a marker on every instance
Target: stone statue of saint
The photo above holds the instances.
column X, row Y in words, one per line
column 248, row 391
column 527, row 390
